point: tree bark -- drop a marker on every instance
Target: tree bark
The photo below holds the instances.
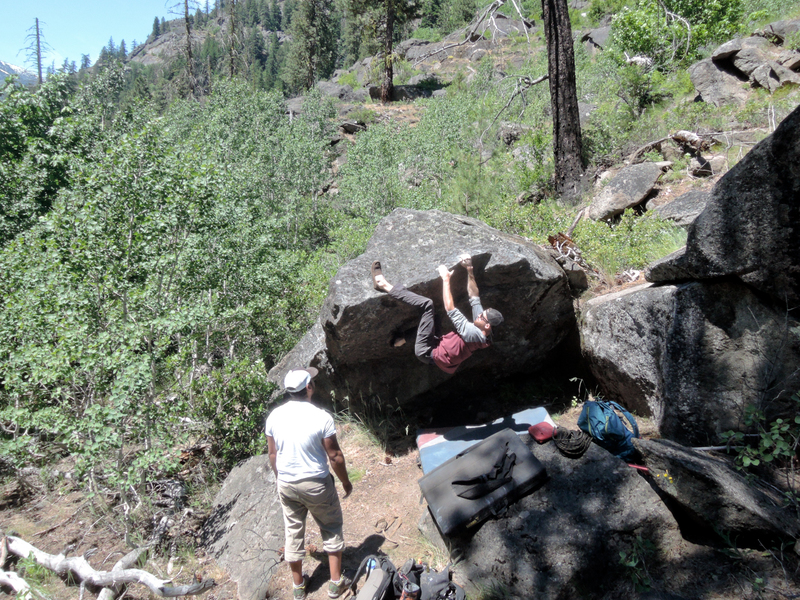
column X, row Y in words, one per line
column 567, row 142
column 387, row 88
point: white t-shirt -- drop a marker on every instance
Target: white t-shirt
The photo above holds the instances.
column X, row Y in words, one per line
column 298, row 428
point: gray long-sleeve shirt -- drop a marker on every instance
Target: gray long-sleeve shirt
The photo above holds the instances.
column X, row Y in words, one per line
column 466, row 329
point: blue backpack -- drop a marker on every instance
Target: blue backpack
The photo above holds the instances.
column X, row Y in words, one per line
column 599, row 419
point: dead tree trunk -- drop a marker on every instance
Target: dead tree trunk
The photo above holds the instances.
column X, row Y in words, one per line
column 189, row 60
column 387, row 88
column 38, row 51
column 567, row 142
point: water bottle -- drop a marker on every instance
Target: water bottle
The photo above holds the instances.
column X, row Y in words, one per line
column 371, row 564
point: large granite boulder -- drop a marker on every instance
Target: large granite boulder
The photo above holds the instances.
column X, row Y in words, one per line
column 350, row 342
column 692, row 355
column 748, row 229
column 245, row 528
column 566, row 537
column 629, row 187
column 715, row 496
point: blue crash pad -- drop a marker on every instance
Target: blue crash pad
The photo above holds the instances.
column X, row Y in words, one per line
column 437, row 446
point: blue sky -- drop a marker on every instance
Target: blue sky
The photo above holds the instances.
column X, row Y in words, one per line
column 73, row 27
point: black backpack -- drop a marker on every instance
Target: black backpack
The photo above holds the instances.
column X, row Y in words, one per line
column 380, row 578
column 433, row 585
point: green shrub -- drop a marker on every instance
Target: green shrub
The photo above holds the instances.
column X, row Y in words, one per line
column 231, row 403
column 349, row 79
column 632, row 243
column 363, row 114
column 648, row 30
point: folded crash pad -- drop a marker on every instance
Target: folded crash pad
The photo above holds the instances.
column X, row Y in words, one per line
column 481, row 481
column 438, row 445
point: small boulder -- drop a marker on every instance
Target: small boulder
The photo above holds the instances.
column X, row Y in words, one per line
column 629, row 187
column 685, row 208
column 718, row 86
column 748, row 60
column 780, row 30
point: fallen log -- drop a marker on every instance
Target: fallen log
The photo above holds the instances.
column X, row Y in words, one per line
column 16, row 583
column 84, row 572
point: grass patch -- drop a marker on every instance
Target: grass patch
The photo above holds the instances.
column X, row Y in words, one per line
column 429, row 34
column 356, row 474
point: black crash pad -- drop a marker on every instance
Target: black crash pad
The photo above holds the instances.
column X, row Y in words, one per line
column 455, row 514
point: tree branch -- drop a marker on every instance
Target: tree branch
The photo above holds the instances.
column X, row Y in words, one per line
column 83, row 571
column 523, row 84
column 469, row 35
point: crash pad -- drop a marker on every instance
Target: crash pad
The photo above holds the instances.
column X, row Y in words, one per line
column 448, row 488
column 439, row 445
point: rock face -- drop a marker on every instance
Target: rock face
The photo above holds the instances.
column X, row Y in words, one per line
column 692, row 355
column 627, row 189
column 748, row 229
column 245, row 527
column 716, row 496
column 350, row 342
column 568, row 534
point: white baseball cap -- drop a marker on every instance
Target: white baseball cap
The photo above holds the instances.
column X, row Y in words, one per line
column 298, row 379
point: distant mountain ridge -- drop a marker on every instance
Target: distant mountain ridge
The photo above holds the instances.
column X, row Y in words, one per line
column 25, row 76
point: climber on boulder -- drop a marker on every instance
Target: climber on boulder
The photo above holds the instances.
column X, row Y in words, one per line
column 450, row 350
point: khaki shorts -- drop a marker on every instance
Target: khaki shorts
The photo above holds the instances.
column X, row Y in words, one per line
column 319, row 497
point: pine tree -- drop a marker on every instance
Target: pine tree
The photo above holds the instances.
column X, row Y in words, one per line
column 86, row 62
column 156, row 28
column 255, row 49
column 275, row 15
column 122, row 52
column 272, row 66
column 390, row 13
column 286, row 17
column 311, row 55
column 251, row 13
